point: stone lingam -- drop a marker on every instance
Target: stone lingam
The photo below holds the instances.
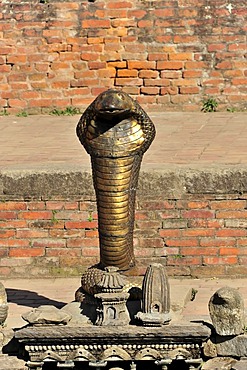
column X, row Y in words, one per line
column 113, row 323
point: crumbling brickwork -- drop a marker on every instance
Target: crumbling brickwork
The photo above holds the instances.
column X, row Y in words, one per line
column 168, row 54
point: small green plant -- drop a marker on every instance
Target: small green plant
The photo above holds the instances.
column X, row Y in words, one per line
column 22, row 114
column 231, row 109
column 69, row 111
column 209, row 105
column 178, row 256
column 90, row 216
column 4, row 112
column 54, row 219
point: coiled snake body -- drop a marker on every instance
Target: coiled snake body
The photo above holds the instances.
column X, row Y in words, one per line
column 116, row 132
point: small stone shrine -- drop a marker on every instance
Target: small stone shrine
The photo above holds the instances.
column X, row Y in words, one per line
column 121, row 325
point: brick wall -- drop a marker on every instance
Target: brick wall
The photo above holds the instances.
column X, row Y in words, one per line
column 168, row 53
column 200, row 236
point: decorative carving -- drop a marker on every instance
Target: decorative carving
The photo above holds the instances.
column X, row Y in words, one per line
column 179, row 354
column 112, row 281
column 81, row 354
column 148, row 354
column 112, row 308
column 116, row 132
column 156, row 297
column 115, row 353
column 50, row 356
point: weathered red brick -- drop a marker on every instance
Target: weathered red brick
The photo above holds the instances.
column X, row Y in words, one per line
column 27, row 234
column 192, row 251
column 7, row 215
column 226, row 251
column 82, row 242
column 132, row 64
column 148, row 73
column 145, row 23
column 127, row 73
column 217, row 242
column 81, row 224
column 156, row 82
column 231, row 232
column 179, row 260
column 220, row 260
column 198, row 214
column 171, row 90
column 181, row 242
column 164, row 13
column 171, row 74
column 231, row 214
column 180, row 56
column 171, row 233
column 128, row 81
column 189, row 90
column 16, row 59
column 7, row 233
column 12, row 206
column 35, row 215
column 216, row 47
column 26, row 252
column 96, row 23
column 176, row 65
column 13, row 224
column 91, row 234
column 192, row 74
column 195, row 65
column 198, row 232
column 150, row 90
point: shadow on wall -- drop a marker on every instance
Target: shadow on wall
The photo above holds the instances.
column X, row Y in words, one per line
column 28, row 298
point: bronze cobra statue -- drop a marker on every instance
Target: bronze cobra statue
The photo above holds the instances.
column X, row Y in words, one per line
column 116, row 132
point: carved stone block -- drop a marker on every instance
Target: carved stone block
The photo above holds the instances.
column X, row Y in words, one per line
column 156, row 297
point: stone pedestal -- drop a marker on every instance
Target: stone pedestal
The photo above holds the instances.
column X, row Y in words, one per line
column 112, row 310
column 96, row 346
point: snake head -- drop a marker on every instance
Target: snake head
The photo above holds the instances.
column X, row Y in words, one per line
column 113, row 103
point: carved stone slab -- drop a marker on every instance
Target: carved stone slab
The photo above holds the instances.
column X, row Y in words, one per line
column 96, row 344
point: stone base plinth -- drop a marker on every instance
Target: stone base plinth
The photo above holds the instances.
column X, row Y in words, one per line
column 83, row 347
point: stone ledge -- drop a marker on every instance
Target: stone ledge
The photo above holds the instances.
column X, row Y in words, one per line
column 86, row 334
column 154, row 181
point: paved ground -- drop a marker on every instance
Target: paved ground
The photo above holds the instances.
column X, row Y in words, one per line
column 183, row 139
column 192, row 139
column 25, row 294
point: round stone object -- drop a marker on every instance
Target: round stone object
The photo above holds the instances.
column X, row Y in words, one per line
column 226, row 308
